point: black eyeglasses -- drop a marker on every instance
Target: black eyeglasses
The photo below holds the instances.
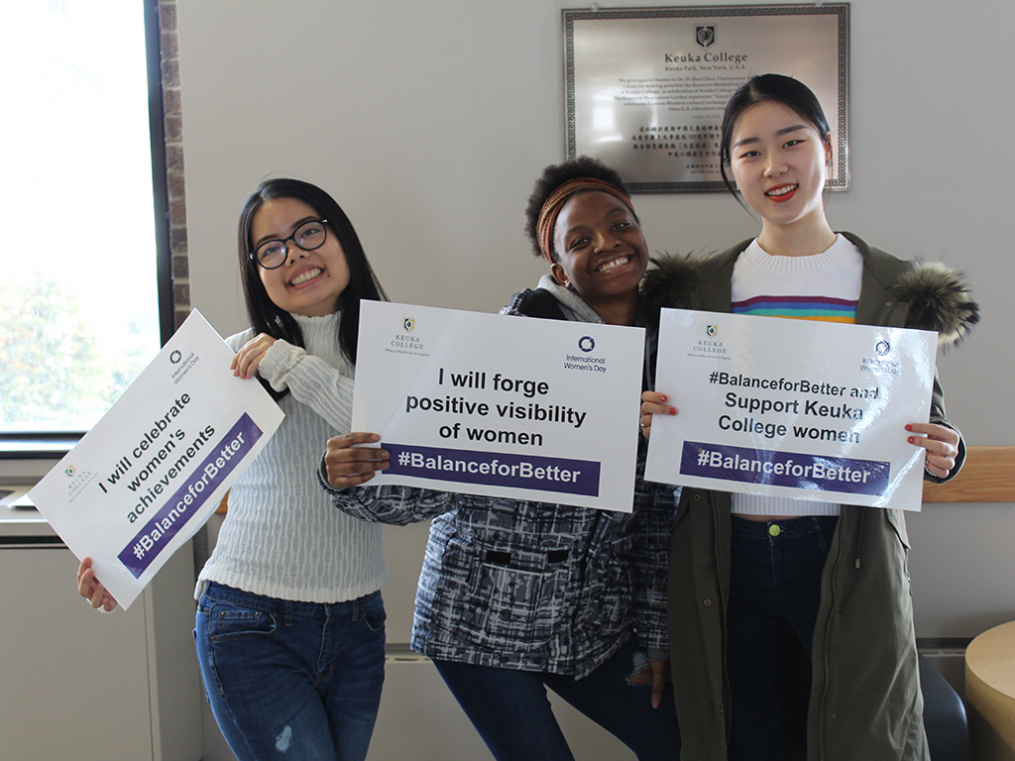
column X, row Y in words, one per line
column 272, row 254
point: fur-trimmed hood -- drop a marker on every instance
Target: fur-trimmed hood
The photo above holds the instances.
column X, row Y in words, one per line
column 938, row 296
column 938, row 299
column 671, row 281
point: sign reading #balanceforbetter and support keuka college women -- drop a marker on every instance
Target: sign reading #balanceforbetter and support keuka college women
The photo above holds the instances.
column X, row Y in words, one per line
column 501, row 406
column 792, row 408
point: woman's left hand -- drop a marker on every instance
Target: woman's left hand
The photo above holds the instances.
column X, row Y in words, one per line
column 92, row 590
column 249, row 357
column 941, row 443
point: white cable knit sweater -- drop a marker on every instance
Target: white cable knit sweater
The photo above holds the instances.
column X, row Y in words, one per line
column 282, row 537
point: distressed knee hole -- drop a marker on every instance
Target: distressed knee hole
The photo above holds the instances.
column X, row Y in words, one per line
column 283, row 740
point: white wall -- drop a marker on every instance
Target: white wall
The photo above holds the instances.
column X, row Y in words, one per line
column 430, row 122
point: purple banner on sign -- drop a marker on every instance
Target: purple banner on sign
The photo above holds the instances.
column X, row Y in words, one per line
column 799, row 471
column 495, row 469
column 182, row 506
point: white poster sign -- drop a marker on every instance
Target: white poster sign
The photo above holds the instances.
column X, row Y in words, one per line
column 503, row 406
column 155, row 467
column 792, row 408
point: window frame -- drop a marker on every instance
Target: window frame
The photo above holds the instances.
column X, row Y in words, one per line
column 49, row 444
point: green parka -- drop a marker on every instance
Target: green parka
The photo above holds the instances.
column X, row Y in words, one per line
column 865, row 698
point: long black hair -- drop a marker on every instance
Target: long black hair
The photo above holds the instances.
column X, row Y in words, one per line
column 792, row 93
column 265, row 316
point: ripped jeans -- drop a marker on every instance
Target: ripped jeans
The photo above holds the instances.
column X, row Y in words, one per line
column 512, row 714
column 291, row 680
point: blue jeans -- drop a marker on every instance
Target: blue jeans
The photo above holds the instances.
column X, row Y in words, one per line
column 293, row 680
column 775, row 591
column 512, row 714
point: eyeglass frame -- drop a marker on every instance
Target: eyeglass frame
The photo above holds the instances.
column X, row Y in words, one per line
column 285, row 244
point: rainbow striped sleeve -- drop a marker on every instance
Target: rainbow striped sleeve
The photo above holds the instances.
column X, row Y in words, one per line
column 800, row 308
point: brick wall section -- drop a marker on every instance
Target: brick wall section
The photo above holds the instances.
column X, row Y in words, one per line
column 173, row 109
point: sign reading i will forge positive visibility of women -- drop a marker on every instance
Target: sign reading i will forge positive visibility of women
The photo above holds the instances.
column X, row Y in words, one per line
column 156, row 466
column 792, row 408
column 501, row 406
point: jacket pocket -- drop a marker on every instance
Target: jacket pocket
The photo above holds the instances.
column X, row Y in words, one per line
column 500, row 596
column 897, row 521
column 607, row 592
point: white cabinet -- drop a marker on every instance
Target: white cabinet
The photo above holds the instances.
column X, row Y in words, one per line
column 76, row 684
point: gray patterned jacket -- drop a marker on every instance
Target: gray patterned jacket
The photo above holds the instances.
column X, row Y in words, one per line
column 530, row 585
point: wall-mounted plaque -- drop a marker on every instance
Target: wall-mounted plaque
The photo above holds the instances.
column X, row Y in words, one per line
column 645, row 88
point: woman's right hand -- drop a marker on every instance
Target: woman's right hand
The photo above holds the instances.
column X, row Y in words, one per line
column 653, row 403
column 91, row 589
column 249, row 357
column 349, row 465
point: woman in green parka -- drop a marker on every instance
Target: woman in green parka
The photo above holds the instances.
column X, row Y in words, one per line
column 754, row 578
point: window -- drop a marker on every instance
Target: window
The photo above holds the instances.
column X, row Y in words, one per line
column 86, row 258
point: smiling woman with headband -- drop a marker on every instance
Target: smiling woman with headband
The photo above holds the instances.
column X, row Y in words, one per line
column 515, row 597
column 597, row 280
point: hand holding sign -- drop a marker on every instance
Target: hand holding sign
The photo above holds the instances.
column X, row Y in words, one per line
column 941, row 443
column 349, row 465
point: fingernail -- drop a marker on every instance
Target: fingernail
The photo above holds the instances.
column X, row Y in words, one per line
column 909, row 428
column 673, row 410
column 912, row 439
column 665, row 399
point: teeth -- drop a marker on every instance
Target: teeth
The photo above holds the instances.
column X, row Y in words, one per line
column 308, row 275
column 781, row 191
column 614, row 263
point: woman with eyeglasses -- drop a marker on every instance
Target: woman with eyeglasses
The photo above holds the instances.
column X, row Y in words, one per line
column 290, row 623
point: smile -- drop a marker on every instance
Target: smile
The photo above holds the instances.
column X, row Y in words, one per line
column 782, row 193
column 308, row 275
column 613, row 263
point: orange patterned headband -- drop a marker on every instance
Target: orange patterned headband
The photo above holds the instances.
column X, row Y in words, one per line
column 551, row 209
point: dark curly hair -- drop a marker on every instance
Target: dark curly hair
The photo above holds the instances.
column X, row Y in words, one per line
column 556, row 175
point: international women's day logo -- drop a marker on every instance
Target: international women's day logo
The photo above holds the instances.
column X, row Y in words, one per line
column 585, row 361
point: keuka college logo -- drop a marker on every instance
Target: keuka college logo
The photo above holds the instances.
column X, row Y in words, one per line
column 406, row 342
column 711, row 330
column 704, row 35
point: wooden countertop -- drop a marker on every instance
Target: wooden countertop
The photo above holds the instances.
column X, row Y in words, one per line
column 990, row 693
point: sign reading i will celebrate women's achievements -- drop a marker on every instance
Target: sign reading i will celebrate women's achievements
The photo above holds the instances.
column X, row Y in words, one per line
column 156, row 466
column 792, row 408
